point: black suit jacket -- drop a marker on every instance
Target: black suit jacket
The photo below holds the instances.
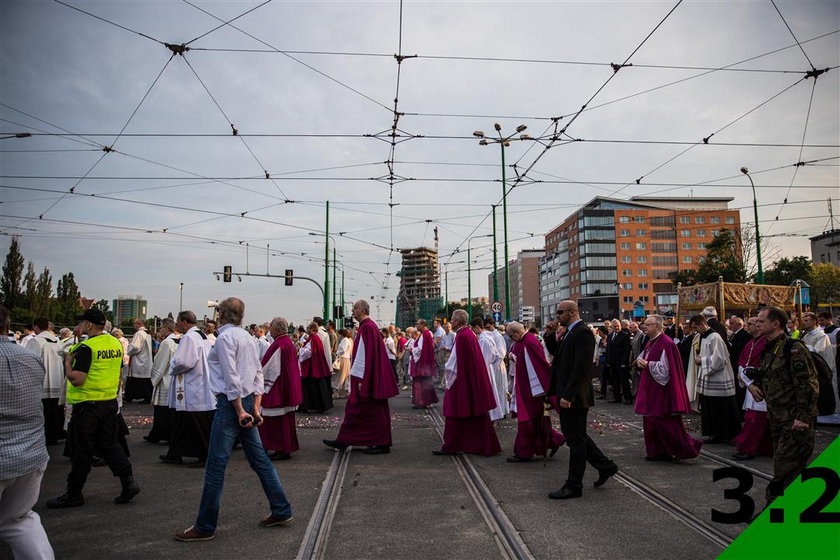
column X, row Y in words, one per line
column 736, row 345
column 571, row 369
column 618, row 351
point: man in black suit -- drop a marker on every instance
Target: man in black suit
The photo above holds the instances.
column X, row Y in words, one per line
column 618, row 362
column 571, row 383
column 737, row 341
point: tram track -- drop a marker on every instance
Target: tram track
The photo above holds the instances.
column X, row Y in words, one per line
column 314, row 543
column 510, row 543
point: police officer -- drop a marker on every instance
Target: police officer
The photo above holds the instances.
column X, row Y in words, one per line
column 787, row 380
column 93, row 375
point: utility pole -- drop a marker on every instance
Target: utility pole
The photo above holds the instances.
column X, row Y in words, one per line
column 327, row 265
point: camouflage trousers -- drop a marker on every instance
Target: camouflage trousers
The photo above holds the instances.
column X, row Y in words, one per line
column 791, row 452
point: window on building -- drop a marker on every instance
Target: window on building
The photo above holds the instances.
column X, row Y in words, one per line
column 627, row 272
column 730, row 220
column 641, row 259
column 699, row 219
column 665, row 261
column 715, row 232
column 714, row 220
column 645, row 299
column 701, row 246
column 686, row 246
column 641, row 232
column 625, row 246
column 626, row 259
column 624, row 219
column 627, row 286
column 685, row 232
column 685, row 220
column 687, row 259
column 627, row 299
column 641, row 246
column 625, row 233
column 643, row 285
column 640, row 219
column 701, row 233
column 643, row 272
column 662, row 221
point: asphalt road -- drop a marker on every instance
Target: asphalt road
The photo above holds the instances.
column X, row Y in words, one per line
column 408, row 504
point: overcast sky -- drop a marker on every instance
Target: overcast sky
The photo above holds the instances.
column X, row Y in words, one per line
column 310, row 86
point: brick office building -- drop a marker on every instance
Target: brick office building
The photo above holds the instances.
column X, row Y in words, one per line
column 616, row 255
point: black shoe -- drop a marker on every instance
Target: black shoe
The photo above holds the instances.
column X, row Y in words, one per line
column 661, row 457
column 66, row 501
column 169, row 459
column 277, row 456
column 377, row 450
column 418, row 407
column 518, row 459
column 129, row 490
column 741, row 456
column 565, row 493
column 335, row 444
column 150, row 440
column 442, row 452
column 628, row 401
column 604, row 475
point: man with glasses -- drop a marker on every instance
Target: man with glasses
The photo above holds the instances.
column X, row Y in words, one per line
column 662, row 397
column 571, row 384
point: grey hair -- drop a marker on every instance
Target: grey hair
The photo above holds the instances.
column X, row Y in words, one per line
column 116, row 333
column 232, row 310
column 514, row 326
column 65, row 332
column 364, row 305
column 280, row 324
column 709, row 312
column 660, row 322
column 461, row 315
column 168, row 323
column 188, row 317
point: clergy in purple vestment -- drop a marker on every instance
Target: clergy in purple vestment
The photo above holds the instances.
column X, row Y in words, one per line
column 469, row 397
column 315, row 373
column 531, row 377
column 281, row 379
column 662, row 398
column 367, row 417
column 424, row 370
column 754, row 438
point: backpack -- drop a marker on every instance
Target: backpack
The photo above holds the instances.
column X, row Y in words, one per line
column 825, row 402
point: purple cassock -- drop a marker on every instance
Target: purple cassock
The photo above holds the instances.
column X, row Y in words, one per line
column 754, row 438
column 423, row 373
column 534, row 434
column 281, row 376
column 367, row 418
column 315, row 373
column 468, row 400
column 662, row 399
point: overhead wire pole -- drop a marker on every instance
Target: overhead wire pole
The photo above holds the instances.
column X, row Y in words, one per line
column 327, row 264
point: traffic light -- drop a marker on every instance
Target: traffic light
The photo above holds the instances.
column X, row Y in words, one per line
column 228, row 273
column 290, row 276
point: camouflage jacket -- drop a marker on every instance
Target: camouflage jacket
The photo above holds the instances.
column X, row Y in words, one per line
column 790, row 387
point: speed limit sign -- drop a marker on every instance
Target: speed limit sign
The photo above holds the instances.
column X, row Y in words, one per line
column 496, row 307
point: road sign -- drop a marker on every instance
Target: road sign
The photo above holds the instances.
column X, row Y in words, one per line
column 496, row 307
column 497, row 316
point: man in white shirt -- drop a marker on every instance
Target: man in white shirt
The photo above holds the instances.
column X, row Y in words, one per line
column 237, row 381
column 161, row 380
column 46, row 345
column 139, row 382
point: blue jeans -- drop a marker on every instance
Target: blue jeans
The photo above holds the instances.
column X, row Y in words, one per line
column 222, row 437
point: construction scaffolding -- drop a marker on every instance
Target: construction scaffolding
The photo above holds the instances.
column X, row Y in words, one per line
column 419, row 296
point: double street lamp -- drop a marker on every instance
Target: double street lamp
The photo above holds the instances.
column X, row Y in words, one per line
column 503, row 142
column 760, row 276
column 469, row 272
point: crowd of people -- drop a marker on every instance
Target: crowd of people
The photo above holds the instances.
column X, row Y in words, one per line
column 225, row 385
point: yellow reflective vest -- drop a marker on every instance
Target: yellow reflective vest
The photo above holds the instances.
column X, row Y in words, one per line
column 103, row 378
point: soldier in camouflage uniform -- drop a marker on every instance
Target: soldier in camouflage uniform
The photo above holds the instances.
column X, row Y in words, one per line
column 787, row 380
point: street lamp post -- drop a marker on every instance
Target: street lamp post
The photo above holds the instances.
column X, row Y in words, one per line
column 469, row 273
column 495, row 260
column 760, row 276
column 181, row 298
column 503, row 142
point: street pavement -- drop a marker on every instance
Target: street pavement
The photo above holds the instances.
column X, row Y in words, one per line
column 407, row 504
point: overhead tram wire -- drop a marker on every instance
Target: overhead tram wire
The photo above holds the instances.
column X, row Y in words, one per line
column 792, row 34
column 233, row 128
column 324, row 74
column 15, row 109
column 559, row 134
column 705, row 140
column 110, row 22
column 227, row 22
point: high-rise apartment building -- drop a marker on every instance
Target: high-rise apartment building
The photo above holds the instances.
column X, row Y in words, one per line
column 419, row 295
column 524, row 272
column 129, row 307
column 615, row 256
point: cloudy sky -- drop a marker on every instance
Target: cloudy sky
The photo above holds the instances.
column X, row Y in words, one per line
column 310, row 88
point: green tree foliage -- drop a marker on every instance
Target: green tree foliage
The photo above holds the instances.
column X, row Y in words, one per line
column 11, row 283
column 41, row 303
column 785, row 271
column 825, row 284
column 722, row 259
column 67, row 304
column 103, row 306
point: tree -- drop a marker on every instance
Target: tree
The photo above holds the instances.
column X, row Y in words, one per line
column 825, row 284
column 785, row 271
column 102, row 305
column 723, row 258
column 67, row 300
column 41, row 302
column 10, row 283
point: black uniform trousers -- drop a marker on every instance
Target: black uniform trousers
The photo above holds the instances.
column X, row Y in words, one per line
column 582, row 449
column 94, row 425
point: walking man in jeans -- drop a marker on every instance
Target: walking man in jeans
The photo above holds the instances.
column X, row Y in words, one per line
column 237, row 381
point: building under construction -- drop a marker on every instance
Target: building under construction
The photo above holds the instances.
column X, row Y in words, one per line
column 419, row 296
